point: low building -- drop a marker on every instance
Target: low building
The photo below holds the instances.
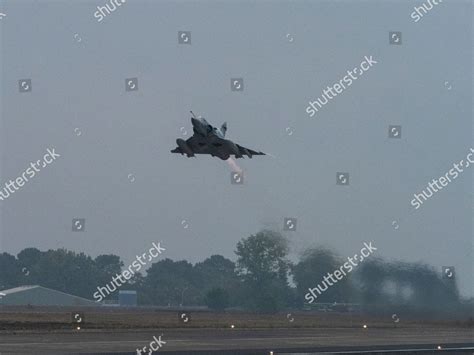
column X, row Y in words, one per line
column 41, row 296
column 128, row 298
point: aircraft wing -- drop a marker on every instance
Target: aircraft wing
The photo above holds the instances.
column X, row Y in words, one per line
column 197, row 144
column 248, row 152
column 223, row 148
column 214, row 146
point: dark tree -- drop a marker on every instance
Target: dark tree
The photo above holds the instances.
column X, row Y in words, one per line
column 263, row 267
column 217, row 299
column 172, row 283
column 315, row 264
column 218, row 272
column 10, row 272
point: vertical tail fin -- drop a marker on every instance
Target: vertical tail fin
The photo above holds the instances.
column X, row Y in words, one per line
column 224, row 128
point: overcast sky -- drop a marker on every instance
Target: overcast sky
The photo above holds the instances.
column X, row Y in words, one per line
column 286, row 53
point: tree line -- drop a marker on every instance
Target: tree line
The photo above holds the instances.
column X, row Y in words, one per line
column 262, row 279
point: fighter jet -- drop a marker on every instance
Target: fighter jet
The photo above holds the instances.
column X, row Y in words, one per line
column 210, row 140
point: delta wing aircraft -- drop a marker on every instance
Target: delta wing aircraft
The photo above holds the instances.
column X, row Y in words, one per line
column 208, row 139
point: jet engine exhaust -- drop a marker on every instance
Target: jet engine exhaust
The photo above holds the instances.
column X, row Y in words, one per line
column 233, row 166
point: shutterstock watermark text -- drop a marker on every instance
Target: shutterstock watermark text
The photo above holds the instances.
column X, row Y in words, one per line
column 337, row 88
column 29, row 173
column 339, row 273
column 127, row 274
column 438, row 184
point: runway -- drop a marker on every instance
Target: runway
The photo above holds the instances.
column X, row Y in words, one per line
column 242, row 342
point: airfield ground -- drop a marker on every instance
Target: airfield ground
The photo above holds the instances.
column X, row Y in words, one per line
column 117, row 330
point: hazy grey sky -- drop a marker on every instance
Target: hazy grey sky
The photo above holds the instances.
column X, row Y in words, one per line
column 78, row 68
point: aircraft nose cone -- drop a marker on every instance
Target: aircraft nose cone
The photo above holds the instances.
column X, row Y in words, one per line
column 194, row 121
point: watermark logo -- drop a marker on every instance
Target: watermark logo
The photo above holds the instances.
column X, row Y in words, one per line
column 342, row 178
column 395, row 38
column 185, row 224
column 394, row 131
column 237, row 84
column 77, row 318
column 24, row 85
column 448, row 272
column 78, row 224
column 184, row 37
column 395, row 225
column 184, row 317
column 131, row 84
column 236, row 178
column 289, row 224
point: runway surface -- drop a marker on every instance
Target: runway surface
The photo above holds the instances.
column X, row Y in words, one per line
column 235, row 341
